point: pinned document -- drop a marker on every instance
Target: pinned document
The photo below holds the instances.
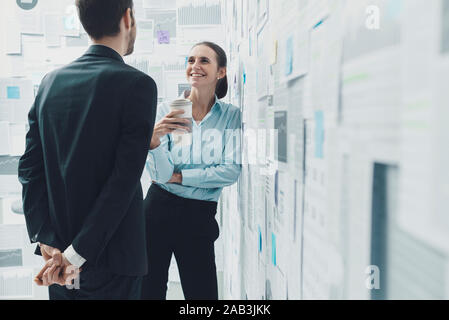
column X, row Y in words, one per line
column 289, row 56
column 274, row 53
column 52, row 30
column 13, row 92
column 145, row 36
column 13, row 38
column 163, row 37
column 5, row 147
column 319, row 134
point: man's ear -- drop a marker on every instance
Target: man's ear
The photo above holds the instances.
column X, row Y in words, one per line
column 128, row 18
column 133, row 20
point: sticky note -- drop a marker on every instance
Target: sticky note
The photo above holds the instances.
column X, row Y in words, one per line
column 274, row 53
column 289, row 56
column 319, row 134
column 273, row 248
column 250, row 52
column 163, row 36
column 13, row 92
column 244, row 75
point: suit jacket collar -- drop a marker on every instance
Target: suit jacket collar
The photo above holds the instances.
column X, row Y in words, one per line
column 104, row 51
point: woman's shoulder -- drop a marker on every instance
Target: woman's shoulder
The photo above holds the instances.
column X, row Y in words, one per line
column 233, row 115
column 230, row 108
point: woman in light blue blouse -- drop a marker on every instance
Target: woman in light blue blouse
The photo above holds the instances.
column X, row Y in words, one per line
column 188, row 178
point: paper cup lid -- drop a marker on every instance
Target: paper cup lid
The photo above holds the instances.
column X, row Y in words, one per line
column 180, row 103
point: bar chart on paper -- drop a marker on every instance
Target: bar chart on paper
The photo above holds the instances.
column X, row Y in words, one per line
column 194, row 14
column 16, row 283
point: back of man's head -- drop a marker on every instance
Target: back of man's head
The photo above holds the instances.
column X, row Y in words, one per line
column 101, row 18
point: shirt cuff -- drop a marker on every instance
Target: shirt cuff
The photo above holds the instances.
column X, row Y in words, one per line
column 157, row 151
column 157, row 155
column 73, row 257
column 190, row 177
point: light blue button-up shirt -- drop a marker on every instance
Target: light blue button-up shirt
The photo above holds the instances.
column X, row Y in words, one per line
column 212, row 159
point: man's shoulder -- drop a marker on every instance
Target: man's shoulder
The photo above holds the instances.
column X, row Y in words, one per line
column 137, row 75
column 130, row 70
column 113, row 69
column 127, row 71
column 115, row 76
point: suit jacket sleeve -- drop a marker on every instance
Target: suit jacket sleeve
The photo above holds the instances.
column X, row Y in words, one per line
column 116, row 195
column 31, row 175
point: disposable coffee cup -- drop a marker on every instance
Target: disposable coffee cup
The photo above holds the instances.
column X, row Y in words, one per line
column 183, row 136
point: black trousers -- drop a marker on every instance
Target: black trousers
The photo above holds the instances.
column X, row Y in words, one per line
column 186, row 228
column 96, row 284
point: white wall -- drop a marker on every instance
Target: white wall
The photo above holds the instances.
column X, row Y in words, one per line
column 363, row 113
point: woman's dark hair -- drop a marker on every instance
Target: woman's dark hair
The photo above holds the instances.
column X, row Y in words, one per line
column 222, row 85
column 101, row 18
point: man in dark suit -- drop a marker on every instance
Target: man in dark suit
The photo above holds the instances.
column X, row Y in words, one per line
column 90, row 130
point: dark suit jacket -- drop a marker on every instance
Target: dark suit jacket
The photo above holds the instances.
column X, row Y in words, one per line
column 90, row 131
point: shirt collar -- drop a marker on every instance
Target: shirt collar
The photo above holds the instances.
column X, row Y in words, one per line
column 186, row 93
column 104, row 51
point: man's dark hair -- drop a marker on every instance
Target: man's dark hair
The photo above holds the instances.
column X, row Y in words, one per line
column 101, row 18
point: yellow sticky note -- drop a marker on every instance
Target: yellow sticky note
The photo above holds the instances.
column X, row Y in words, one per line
column 274, row 53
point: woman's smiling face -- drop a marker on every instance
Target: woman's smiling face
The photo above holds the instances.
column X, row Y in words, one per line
column 202, row 67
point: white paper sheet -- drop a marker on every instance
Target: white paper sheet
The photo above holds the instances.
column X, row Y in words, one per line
column 145, row 40
column 52, row 29
column 5, row 140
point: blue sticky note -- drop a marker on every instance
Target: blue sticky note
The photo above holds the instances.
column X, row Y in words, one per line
column 163, row 36
column 289, row 56
column 319, row 134
column 13, row 92
column 244, row 75
column 273, row 248
column 260, row 240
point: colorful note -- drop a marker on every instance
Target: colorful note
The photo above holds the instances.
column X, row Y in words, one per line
column 289, row 56
column 13, row 92
column 163, row 36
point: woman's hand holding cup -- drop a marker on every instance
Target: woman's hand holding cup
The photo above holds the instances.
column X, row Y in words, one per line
column 167, row 125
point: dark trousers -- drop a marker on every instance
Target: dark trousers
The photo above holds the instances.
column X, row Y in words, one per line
column 186, row 228
column 96, row 284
